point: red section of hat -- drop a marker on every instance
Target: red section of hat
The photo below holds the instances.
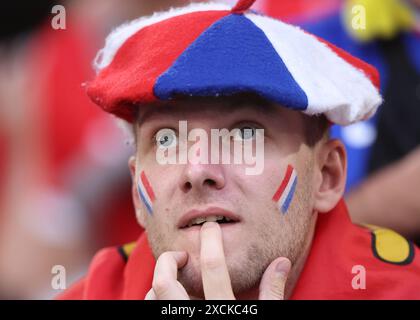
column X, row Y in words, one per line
column 143, row 57
column 242, row 5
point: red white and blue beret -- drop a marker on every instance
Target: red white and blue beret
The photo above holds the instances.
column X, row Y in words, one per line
column 210, row 49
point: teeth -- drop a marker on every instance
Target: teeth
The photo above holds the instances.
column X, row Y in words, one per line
column 201, row 220
column 212, row 218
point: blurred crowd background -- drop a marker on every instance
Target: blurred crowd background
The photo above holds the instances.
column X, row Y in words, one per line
column 64, row 179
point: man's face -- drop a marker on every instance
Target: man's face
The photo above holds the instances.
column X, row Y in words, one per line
column 261, row 232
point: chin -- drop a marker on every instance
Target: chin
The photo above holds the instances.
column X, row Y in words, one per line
column 190, row 278
column 244, row 275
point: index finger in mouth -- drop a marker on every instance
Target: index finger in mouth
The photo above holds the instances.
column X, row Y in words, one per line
column 214, row 271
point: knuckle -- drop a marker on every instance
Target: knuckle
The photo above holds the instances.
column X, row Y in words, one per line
column 161, row 286
column 211, row 263
column 150, row 295
column 165, row 256
column 277, row 292
column 277, row 288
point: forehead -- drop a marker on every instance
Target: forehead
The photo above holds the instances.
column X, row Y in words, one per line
column 212, row 109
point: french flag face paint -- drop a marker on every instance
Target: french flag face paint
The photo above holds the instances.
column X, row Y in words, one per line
column 285, row 192
column 146, row 192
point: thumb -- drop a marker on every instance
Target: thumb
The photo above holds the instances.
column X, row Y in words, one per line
column 273, row 281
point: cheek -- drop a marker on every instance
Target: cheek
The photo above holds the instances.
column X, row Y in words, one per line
column 285, row 191
column 146, row 193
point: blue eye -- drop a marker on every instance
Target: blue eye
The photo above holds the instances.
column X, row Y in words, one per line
column 245, row 133
column 166, row 138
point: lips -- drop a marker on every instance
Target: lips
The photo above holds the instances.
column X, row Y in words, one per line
column 197, row 217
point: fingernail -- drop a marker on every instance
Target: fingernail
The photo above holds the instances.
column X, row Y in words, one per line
column 283, row 266
column 209, row 224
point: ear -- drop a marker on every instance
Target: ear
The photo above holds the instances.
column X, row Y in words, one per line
column 134, row 192
column 331, row 181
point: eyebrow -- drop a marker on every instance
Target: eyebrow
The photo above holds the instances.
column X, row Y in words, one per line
column 235, row 105
column 152, row 112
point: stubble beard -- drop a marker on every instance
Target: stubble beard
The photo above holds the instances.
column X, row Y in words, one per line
column 247, row 270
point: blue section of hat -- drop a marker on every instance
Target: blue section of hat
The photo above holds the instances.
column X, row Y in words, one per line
column 232, row 56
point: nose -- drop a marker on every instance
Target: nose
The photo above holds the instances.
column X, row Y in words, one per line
column 199, row 177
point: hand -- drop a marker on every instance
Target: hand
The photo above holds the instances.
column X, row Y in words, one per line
column 214, row 272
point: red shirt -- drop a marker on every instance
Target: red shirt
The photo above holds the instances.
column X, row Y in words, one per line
column 391, row 265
